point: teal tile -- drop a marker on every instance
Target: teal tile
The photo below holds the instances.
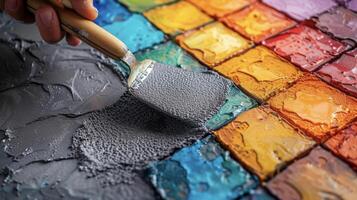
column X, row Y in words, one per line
column 236, row 103
column 203, row 171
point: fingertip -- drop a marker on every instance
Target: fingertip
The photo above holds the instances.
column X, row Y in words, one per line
column 85, row 8
column 17, row 9
column 49, row 25
column 73, row 40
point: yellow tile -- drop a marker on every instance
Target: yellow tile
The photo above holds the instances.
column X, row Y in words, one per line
column 260, row 72
column 262, row 141
column 219, row 8
column 213, row 43
column 177, row 18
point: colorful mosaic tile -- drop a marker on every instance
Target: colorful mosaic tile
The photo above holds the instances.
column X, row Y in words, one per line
column 344, row 144
column 262, row 141
column 136, row 32
column 315, row 107
column 177, row 18
column 143, row 5
column 171, row 54
column 213, row 43
column 350, row 4
column 306, row 47
column 260, row 72
column 340, row 22
column 110, row 11
column 202, row 171
column 319, row 176
column 342, row 73
column 220, row 8
column 301, row 9
column 258, row 22
column 236, row 103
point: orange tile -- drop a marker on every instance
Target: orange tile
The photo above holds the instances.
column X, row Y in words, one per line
column 213, row 44
column 220, row 8
column 344, row 144
column 318, row 176
column 177, row 18
column 258, row 22
column 315, row 107
column 260, row 72
column 263, row 141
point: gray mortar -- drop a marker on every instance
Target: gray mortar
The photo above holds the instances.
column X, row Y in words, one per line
column 193, row 97
column 124, row 138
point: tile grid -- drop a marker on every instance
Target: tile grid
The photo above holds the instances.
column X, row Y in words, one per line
column 256, row 44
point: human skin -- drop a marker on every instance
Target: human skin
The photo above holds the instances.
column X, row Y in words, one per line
column 47, row 20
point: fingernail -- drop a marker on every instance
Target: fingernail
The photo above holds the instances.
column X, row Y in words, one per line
column 46, row 18
column 11, row 5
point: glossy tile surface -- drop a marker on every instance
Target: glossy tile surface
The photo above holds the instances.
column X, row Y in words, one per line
column 260, row 72
column 171, row 54
column 258, row 22
column 136, row 32
column 315, row 107
column 306, row 47
column 202, row 171
column 342, row 73
column 142, row 5
column 213, row 43
column 177, row 18
column 301, row 9
column 340, row 22
column 344, row 144
column 318, row 176
column 219, row 8
column 236, row 103
column 110, row 11
column 262, row 141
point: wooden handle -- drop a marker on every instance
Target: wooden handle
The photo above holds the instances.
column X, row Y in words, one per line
column 86, row 30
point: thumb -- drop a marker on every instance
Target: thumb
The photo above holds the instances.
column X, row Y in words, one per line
column 85, row 8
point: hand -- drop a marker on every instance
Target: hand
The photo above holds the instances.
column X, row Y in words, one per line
column 47, row 20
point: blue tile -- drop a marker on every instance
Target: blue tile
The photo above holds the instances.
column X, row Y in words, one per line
column 203, row 171
column 110, row 11
column 136, row 32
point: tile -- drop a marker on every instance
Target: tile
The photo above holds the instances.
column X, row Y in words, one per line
column 143, row 5
column 213, row 43
column 168, row 53
column 340, row 22
column 318, row 176
column 302, row 9
column 220, row 8
column 258, row 22
column 350, row 4
column 344, row 144
column 110, row 11
column 202, row 171
column 342, row 73
column 236, row 103
column 177, row 18
column 315, row 107
column 262, row 141
column 136, row 32
column 171, row 54
column 306, row 47
column 260, row 72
